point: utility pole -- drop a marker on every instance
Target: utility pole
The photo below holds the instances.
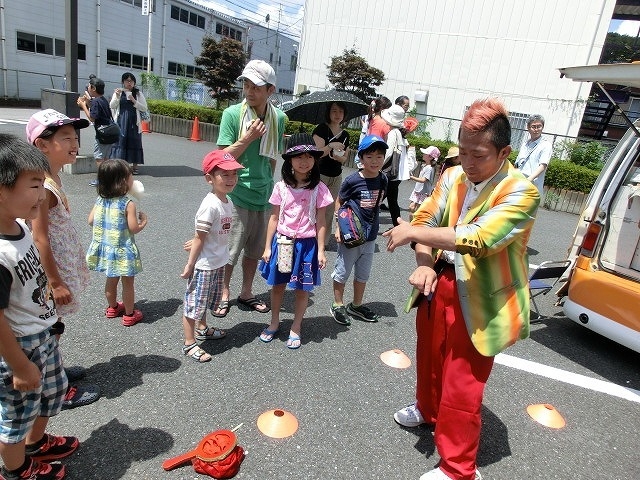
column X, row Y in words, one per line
column 71, row 45
column 277, row 59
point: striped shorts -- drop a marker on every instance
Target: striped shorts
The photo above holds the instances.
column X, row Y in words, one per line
column 19, row 410
column 204, row 291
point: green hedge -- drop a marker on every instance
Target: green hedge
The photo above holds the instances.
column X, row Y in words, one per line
column 569, row 176
column 184, row 110
column 560, row 174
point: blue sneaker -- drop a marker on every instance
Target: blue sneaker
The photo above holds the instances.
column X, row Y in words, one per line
column 93, row 183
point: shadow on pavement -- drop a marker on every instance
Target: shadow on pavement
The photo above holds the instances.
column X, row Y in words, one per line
column 169, row 171
column 117, row 441
column 125, row 372
column 158, row 309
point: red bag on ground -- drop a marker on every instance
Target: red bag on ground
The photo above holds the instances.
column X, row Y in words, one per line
column 226, row 467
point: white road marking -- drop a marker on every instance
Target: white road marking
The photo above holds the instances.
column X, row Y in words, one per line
column 4, row 121
column 576, row 379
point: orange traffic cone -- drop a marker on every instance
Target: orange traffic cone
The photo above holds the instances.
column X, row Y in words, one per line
column 145, row 126
column 195, row 131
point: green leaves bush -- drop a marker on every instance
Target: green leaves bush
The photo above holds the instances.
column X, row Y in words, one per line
column 184, row 110
column 569, row 176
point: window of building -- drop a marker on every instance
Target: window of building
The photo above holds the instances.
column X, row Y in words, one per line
column 187, row 16
column 271, row 58
column 128, row 60
column 183, row 70
column 226, row 31
column 294, row 62
column 30, row 42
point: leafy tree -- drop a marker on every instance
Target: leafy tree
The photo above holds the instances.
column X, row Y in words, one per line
column 620, row 49
column 352, row 73
column 222, row 64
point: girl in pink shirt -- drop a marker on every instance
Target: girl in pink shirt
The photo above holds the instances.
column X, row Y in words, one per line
column 294, row 250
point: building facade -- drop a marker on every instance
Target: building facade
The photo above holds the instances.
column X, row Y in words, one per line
column 114, row 37
column 444, row 54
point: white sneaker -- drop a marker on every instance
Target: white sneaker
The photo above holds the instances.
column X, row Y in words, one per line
column 437, row 474
column 409, row 416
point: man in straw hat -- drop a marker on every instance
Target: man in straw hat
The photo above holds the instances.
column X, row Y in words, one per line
column 471, row 249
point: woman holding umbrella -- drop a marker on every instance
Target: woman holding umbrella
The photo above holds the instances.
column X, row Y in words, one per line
column 334, row 143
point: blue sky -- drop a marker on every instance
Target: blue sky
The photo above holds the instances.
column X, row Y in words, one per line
column 624, row 27
column 284, row 15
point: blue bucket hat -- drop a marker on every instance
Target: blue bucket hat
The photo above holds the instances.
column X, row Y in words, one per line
column 370, row 141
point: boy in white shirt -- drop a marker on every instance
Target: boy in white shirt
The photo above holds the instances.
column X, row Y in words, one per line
column 209, row 253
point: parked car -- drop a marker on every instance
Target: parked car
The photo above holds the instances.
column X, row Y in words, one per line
column 603, row 290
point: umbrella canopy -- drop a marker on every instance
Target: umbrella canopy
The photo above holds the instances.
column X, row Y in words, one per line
column 312, row 108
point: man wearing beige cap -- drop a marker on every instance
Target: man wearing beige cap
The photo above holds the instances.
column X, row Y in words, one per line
column 253, row 132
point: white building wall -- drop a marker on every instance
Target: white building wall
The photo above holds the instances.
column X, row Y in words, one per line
column 115, row 25
column 460, row 50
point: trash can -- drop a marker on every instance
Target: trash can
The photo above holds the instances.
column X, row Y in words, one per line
column 61, row 100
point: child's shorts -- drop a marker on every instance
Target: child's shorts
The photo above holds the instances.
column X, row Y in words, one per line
column 19, row 410
column 204, row 291
column 360, row 257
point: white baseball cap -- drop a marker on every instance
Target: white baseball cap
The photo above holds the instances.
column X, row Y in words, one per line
column 259, row 72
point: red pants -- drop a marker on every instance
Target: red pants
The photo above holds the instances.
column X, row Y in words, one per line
column 451, row 376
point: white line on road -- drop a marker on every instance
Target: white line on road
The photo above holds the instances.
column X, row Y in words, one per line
column 576, row 379
column 19, row 122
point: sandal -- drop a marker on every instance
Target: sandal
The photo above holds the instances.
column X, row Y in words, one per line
column 210, row 333
column 294, row 341
column 195, row 353
column 254, row 304
column 267, row 335
column 222, row 310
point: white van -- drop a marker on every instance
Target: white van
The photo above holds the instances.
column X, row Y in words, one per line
column 603, row 291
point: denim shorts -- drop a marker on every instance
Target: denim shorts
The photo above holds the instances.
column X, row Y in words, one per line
column 204, row 291
column 19, row 410
column 360, row 257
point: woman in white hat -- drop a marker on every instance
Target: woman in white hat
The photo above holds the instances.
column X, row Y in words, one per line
column 395, row 165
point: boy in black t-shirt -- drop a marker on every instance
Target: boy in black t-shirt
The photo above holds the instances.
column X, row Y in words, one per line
column 366, row 187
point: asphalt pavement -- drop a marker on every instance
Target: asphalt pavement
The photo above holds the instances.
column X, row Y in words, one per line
column 156, row 403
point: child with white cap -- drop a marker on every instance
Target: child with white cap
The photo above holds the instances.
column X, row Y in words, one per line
column 425, row 180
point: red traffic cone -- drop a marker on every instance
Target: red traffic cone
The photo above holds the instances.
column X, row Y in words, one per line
column 145, row 126
column 195, row 131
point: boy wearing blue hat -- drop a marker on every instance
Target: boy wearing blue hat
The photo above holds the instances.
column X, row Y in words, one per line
column 366, row 188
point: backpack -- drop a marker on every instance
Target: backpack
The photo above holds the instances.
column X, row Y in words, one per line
column 353, row 231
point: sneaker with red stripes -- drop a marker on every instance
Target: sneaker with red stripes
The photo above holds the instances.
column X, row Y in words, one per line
column 53, row 448
column 135, row 317
column 36, row 471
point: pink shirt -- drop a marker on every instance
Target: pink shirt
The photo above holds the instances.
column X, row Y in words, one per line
column 377, row 126
column 295, row 219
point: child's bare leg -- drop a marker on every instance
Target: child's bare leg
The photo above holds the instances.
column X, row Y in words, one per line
column 188, row 324
column 37, row 431
column 338, row 293
column 302, row 301
column 358, row 292
column 111, row 291
column 277, row 295
column 128, row 294
column 12, row 455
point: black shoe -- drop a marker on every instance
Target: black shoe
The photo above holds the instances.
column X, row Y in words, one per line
column 36, row 471
column 53, row 448
column 339, row 314
column 383, row 206
column 79, row 396
column 75, row 373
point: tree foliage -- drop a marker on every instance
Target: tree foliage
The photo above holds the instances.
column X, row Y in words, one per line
column 222, row 63
column 620, row 49
column 352, row 73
